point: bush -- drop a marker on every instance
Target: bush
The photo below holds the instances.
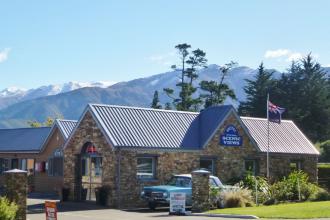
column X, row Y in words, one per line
column 238, row 198
column 263, row 188
column 320, row 195
column 215, row 198
column 288, row 188
column 8, row 210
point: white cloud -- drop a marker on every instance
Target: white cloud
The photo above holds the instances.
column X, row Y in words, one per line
column 276, row 53
column 294, row 57
column 163, row 59
column 4, row 54
column 286, row 55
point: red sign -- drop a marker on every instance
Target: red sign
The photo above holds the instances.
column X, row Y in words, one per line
column 91, row 149
column 51, row 210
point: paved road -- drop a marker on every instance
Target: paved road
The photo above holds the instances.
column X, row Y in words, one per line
column 85, row 211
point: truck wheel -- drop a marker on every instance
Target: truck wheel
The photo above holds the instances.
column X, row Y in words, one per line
column 152, row 205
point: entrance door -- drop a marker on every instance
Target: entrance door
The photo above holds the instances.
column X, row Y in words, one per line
column 91, row 176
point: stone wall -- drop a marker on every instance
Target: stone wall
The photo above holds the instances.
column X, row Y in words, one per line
column 88, row 131
column 200, row 191
column 279, row 165
column 120, row 166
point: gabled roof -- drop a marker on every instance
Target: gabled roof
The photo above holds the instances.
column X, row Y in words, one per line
column 154, row 128
column 143, row 127
column 23, row 140
column 65, row 126
column 283, row 138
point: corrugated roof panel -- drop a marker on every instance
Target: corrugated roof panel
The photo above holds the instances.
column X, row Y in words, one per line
column 141, row 127
column 66, row 126
column 23, row 139
column 283, row 138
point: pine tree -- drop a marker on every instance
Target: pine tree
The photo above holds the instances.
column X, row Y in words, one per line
column 305, row 92
column 185, row 100
column 155, row 101
column 217, row 92
column 256, row 93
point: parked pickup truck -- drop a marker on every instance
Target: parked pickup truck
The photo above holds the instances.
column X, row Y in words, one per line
column 160, row 195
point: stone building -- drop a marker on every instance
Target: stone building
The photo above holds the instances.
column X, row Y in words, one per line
column 38, row 151
column 126, row 148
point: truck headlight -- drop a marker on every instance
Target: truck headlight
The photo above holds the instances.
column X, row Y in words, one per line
column 165, row 194
column 142, row 193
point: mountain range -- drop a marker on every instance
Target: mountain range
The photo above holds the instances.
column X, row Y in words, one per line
column 17, row 107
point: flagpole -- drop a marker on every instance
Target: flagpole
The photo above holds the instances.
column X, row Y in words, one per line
column 267, row 136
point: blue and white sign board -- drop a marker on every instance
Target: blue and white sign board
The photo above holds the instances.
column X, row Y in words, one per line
column 230, row 137
column 177, row 203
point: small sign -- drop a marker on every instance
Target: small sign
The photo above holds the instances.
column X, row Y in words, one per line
column 177, row 203
column 230, row 137
column 91, row 149
column 51, row 210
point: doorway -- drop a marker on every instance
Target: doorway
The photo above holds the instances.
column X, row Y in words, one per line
column 91, row 171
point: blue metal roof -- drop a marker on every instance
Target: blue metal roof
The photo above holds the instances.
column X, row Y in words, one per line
column 23, row 139
column 153, row 128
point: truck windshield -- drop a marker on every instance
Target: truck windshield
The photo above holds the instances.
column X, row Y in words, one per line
column 180, row 181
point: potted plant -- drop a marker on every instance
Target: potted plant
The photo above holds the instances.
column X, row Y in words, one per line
column 65, row 194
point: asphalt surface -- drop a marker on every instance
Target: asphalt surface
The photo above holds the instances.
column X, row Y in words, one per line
column 90, row 211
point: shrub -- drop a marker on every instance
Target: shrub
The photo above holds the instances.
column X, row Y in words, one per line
column 320, row 195
column 238, row 198
column 288, row 188
column 8, row 210
column 263, row 188
column 215, row 198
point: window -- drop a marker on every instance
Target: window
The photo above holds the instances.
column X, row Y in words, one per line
column 180, row 181
column 251, row 167
column 14, row 164
column 207, row 164
column 55, row 163
column 4, row 165
column 146, row 167
column 213, row 183
column 295, row 165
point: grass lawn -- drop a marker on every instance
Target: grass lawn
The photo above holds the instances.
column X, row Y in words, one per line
column 290, row 210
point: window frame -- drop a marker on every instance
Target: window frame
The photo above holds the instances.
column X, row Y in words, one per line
column 255, row 170
column 154, row 162
column 55, row 162
column 213, row 160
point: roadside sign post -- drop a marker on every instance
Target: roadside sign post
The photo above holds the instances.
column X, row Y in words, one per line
column 51, row 210
column 177, row 203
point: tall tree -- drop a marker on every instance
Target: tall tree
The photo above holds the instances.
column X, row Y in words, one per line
column 194, row 60
column 217, row 92
column 256, row 93
column 155, row 101
column 305, row 91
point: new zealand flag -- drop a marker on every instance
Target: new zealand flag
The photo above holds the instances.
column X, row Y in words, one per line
column 274, row 113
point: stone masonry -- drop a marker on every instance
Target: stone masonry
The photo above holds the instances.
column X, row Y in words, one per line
column 16, row 190
column 120, row 165
column 200, row 191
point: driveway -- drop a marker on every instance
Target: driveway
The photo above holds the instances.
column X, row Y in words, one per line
column 90, row 211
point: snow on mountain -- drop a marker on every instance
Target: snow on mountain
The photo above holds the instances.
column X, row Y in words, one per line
column 14, row 95
column 12, row 91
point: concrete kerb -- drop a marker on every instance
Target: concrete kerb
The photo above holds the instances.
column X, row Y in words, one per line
column 222, row 215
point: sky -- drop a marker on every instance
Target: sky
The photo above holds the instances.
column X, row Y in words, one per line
column 50, row 42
